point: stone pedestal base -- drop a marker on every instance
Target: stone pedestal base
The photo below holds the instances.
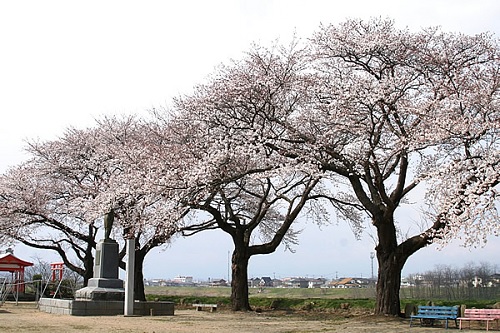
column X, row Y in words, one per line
column 99, row 289
column 105, row 283
column 100, row 294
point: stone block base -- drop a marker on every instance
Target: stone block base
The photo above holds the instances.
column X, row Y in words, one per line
column 103, row 308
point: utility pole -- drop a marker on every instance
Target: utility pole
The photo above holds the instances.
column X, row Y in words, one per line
column 228, row 267
column 372, row 255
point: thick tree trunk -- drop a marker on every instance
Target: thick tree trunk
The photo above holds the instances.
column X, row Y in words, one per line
column 88, row 265
column 239, row 283
column 391, row 260
column 88, row 272
column 139, row 293
column 388, row 285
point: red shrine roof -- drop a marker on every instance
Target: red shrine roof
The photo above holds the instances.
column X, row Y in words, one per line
column 9, row 262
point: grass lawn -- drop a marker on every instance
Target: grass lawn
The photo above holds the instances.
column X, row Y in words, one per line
column 278, row 298
column 292, row 298
column 328, row 293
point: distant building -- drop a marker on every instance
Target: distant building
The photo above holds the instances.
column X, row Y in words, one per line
column 253, row 282
column 494, row 280
column 183, row 280
column 295, row 283
column 317, row 283
column 266, row 281
column 352, row 283
column 406, row 283
column 277, row 283
column 218, row 283
column 344, row 283
column 157, row 283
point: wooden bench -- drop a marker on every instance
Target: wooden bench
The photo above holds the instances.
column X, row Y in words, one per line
column 480, row 315
column 199, row 307
column 430, row 313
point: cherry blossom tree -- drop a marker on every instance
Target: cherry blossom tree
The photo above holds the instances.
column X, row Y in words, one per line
column 379, row 112
column 258, row 214
column 396, row 110
column 246, row 189
column 145, row 207
column 26, row 219
column 71, row 182
column 41, row 200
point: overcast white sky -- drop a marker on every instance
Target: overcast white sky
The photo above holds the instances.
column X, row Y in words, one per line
column 64, row 63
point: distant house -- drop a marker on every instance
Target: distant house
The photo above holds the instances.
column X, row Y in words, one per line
column 477, row 282
column 218, row 283
column 295, row 283
column 405, row 283
column 277, row 283
column 317, row 283
column 490, row 281
column 266, row 281
column 345, row 283
column 353, row 283
column 158, row 282
column 183, row 280
column 253, row 282
column 494, row 280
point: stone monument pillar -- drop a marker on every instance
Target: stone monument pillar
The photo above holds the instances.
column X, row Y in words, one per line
column 129, row 282
column 105, row 285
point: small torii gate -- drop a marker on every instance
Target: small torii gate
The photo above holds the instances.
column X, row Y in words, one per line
column 57, row 269
column 14, row 265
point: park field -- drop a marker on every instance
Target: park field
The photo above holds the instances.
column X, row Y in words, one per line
column 315, row 299
column 269, row 298
column 329, row 293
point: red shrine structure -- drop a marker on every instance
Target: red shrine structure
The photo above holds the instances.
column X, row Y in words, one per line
column 14, row 265
column 57, row 269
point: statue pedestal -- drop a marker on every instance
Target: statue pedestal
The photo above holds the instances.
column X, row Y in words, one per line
column 106, row 259
column 100, row 294
column 105, row 285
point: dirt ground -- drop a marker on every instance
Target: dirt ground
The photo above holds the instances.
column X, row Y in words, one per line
column 25, row 317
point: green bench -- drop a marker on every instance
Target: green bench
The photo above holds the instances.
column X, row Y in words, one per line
column 430, row 313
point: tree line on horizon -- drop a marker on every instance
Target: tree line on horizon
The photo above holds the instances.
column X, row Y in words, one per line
column 345, row 125
column 471, row 281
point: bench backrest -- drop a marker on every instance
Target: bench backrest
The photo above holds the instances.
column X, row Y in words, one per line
column 449, row 311
column 482, row 313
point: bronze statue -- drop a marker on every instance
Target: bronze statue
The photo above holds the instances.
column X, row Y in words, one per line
column 109, row 217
